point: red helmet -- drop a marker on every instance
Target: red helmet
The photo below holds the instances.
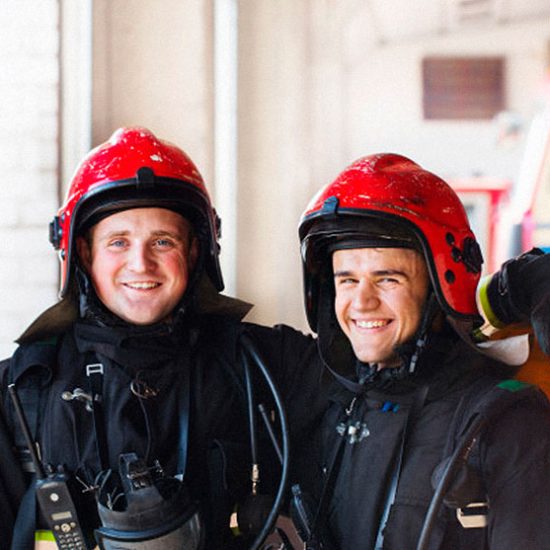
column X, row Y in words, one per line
column 387, row 200
column 135, row 169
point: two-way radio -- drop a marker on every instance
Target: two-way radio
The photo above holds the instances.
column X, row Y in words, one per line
column 52, row 492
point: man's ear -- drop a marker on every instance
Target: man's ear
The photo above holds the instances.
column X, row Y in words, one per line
column 84, row 252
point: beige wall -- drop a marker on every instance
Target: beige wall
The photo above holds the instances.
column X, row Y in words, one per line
column 276, row 146
column 153, row 67
column 29, row 145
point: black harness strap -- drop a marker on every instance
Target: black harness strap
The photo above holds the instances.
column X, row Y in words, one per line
column 184, row 404
column 417, row 405
column 314, row 541
column 94, row 372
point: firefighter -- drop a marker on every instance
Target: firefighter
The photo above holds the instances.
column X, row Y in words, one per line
column 135, row 379
column 390, row 275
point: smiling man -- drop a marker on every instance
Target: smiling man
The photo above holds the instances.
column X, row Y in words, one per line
column 117, row 357
column 390, row 275
column 135, row 379
column 380, row 293
column 139, row 262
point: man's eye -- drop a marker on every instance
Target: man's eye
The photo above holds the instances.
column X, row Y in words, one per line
column 163, row 242
column 389, row 280
column 345, row 281
column 117, row 243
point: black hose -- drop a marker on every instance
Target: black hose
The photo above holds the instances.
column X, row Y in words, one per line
column 251, row 412
column 270, row 432
column 272, row 517
column 457, row 459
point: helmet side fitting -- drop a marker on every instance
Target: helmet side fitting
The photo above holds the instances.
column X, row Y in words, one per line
column 389, row 190
column 135, row 169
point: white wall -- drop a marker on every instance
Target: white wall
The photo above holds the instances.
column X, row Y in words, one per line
column 153, row 67
column 28, row 145
column 385, row 100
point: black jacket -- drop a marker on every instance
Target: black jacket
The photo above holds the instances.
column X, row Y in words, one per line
column 218, row 465
column 508, row 466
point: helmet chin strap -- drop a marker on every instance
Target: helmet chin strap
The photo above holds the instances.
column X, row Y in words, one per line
column 428, row 315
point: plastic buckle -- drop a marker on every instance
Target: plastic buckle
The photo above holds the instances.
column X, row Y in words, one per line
column 94, row 368
column 473, row 515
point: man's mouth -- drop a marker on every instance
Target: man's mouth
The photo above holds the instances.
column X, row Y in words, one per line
column 145, row 285
column 372, row 324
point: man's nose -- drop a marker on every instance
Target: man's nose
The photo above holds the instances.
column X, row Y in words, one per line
column 366, row 297
column 140, row 258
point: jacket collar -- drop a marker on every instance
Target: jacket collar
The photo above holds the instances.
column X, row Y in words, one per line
column 40, row 357
column 58, row 318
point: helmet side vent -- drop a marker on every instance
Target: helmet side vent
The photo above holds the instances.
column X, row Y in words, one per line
column 56, row 233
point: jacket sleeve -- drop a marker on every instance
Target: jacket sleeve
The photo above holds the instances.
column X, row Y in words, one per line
column 293, row 361
column 12, row 483
column 291, row 356
column 516, row 464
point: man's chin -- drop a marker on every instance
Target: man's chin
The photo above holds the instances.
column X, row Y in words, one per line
column 141, row 318
column 383, row 361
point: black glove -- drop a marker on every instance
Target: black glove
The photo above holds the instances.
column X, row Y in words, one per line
column 520, row 293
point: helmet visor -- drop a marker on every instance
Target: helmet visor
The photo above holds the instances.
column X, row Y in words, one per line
column 327, row 236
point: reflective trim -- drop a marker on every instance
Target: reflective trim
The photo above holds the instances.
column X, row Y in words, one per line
column 44, row 535
column 491, row 322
